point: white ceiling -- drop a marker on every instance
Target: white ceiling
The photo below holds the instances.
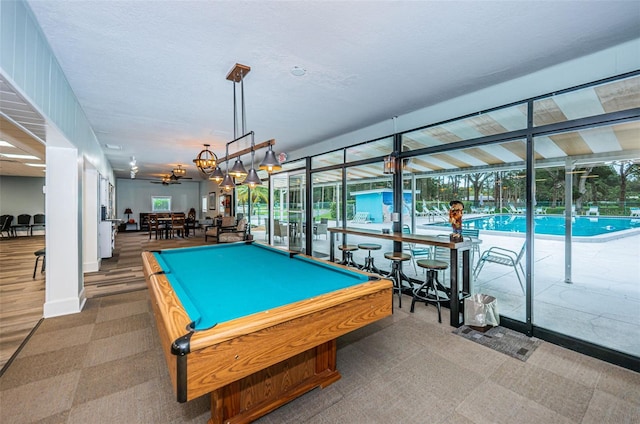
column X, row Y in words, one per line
column 151, row 75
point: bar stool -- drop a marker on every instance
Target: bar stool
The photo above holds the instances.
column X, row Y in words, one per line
column 347, row 255
column 396, row 271
column 428, row 291
column 39, row 254
column 368, row 260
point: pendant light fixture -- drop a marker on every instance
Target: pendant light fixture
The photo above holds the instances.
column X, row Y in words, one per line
column 206, row 160
column 180, row 171
column 227, row 183
column 253, row 179
column 270, row 163
column 217, row 176
column 238, row 173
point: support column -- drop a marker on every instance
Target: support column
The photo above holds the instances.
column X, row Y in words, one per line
column 64, row 292
column 91, row 217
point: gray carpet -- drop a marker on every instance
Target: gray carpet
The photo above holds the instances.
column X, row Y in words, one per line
column 105, row 365
column 503, row 340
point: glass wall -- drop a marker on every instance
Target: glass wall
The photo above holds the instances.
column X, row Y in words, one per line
column 288, row 223
column 579, row 213
column 492, row 189
column 587, row 241
column 369, row 206
column 327, row 208
column 296, row 211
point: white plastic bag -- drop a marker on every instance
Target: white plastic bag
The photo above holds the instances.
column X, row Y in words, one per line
column 481, row 310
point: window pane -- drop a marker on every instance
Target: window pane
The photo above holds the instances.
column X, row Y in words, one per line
column 611, row 97
column 372, row 149
column 327, row 205
column 491, row 123
column 587, row 236
column 161, row 203
column 296, row 164
column 328, row 159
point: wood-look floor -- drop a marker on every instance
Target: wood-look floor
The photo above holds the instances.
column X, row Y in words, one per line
column 22, row 297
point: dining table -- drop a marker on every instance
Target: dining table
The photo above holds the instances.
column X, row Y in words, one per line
column 456, row 250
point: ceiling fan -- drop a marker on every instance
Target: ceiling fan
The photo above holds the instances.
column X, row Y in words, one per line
column 166, row 180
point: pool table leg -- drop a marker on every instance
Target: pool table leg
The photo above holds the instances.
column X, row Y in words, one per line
column 252, row 397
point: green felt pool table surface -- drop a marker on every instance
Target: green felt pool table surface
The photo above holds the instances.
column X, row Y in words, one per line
column 220, row 283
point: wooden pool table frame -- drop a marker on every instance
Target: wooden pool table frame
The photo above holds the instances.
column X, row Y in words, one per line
column 254, row 364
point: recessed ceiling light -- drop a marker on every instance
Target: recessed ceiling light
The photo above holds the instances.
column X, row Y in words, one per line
column 15, row 156
column 298, row 71
column 6, row 144
column 37, row 165
column 113, row 146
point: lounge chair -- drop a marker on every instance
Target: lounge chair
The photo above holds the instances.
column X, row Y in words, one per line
column 501, row 256
column 634, row 212
column 541, row 211
column 513, row 209
column 593, row 210
column 361, row 218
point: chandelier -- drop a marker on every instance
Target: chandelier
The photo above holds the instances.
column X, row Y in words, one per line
column 206, row 161
column 179, row 171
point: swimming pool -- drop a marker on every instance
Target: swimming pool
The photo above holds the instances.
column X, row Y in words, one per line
column 582, row 226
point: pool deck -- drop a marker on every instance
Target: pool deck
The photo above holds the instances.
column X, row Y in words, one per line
column 600, row 304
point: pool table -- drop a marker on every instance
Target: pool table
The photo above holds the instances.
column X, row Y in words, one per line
column 253, row 325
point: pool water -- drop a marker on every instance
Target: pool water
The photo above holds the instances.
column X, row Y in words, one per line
column 582, row 226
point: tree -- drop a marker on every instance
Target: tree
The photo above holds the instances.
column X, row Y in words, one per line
column 626, row 170
column 477, row 180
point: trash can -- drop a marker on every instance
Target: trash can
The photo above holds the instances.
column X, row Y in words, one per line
column 481, row 312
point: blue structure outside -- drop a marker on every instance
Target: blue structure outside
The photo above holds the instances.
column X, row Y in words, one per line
column 379, row 204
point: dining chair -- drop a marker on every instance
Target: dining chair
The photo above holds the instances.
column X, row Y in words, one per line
column 5, row 225
column 38, row 222
column 177, row 225
column 154, row 225
column 23, row 223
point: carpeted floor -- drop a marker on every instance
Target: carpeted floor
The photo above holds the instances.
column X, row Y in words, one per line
column 500, row 339
column 105, row 365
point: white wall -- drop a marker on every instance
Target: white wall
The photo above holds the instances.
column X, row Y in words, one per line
column 20, row 195
column 136, row 194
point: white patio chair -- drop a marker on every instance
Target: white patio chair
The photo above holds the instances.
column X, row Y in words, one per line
column 501, row 256
column 593, row 210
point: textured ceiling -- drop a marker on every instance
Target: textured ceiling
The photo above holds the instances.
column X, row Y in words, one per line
column 151, row 75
